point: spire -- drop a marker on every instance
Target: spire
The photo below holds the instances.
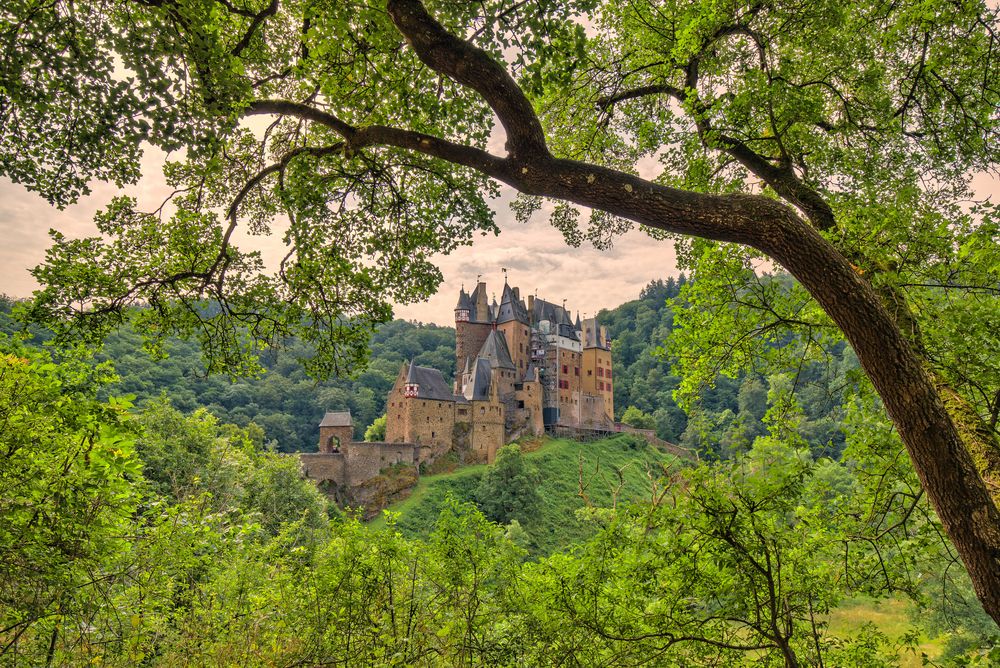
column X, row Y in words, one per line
column 464, row 303
column 496, row 351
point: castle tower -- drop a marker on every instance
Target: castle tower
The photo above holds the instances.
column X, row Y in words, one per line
column 472, row 326
column 596, row 365
column 487, row 411
column 420, row 410
column 496, row 351
column 514, row 323
column 335, row 431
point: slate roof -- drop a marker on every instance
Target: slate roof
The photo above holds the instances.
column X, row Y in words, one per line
column 531, row 373
column 430, row 383
column 482, row 376
column 511, row 307
column 495, row 350
column 337, row 419
column 464, row 301
column 554, row 313
column 479, row 292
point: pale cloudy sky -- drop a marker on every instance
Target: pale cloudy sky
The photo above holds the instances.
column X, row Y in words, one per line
column 537, row 258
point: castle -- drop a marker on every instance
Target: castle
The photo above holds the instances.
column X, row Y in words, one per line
column 520, row 369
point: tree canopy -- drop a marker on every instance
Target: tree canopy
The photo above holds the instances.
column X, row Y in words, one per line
column 835, row 138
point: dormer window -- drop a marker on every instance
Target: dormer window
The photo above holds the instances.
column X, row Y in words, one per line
column 461, row 316
column 411, row 390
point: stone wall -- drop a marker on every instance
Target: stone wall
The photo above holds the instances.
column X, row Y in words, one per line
column 529, row 404
column 429, row 422
column 356, row 476
column 469, row 339
column 332, row 439
column 596, row 375
column 487, row 434
column 396, row 410
column 592, row 414
column 518, row 337
column 324, row 466
column 570, row 382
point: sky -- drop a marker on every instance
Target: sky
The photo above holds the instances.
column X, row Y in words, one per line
column 535, row 255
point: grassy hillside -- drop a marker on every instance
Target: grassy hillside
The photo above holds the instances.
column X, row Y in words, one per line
column 559, row 463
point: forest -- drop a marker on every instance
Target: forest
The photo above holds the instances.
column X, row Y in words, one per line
column 175, row 532
column 821, row 172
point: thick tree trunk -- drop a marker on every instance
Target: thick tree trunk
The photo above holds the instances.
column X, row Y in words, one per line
column 943, row 463
column 941, row 459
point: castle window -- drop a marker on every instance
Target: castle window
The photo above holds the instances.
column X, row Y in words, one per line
column 576, row 370
column 520, row 404
column 609, row 373
column 433, row 434
column 565, row 368
column 600, row 372
column 590, row 372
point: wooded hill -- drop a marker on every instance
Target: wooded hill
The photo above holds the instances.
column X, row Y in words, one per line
column 288, row 405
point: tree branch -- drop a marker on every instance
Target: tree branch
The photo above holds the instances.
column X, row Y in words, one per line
column 470, row 66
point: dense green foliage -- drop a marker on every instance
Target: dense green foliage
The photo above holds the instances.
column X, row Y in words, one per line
column 552, row 519
column 174, row 540
column 109, row 523
column 284, row 401
column 835, row 138
column 653, row 353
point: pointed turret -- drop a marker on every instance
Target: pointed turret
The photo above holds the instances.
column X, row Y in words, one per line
column 511, row 307
column 463, row 310
column 412, row 386
column 495, row 350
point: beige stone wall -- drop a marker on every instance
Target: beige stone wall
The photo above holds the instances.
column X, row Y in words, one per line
column 529, row 399
column 518, row 336
column 429, row 422
column 365, row 461
column 593, row 414
column 487, row 433
column 319, row 466
column 334, row 438
column 598, row 377
column 505, row 379
column 396, row 410
column 469, row 338
column 569, row 367
column 357, row 462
